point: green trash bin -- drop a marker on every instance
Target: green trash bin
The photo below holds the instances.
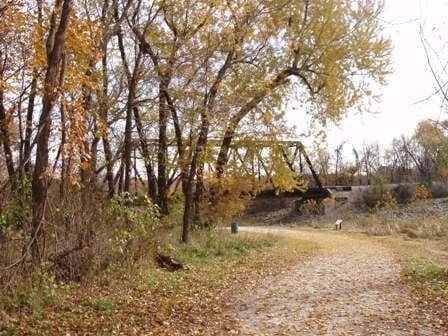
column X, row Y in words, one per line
column 234, row 228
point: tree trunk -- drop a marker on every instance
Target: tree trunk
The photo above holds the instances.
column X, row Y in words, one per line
column 120, row 177
column 6, row 141
column 26, row 164
column 162, row 153
column 144, row 148
column 94, row 154
column 225, row 147
column 87, row 169
column 199, row 192
column 62, row 183
column 29, row 126
column 109, row 165
column 188, row 207
column 127, row 148
column 197, row 157
column 105, row 125
column 63, row 164
column 55, row 43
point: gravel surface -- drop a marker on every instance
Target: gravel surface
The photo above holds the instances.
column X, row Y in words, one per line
column 350, row 287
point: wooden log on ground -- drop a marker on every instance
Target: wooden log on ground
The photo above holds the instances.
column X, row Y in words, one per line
column 169, row 263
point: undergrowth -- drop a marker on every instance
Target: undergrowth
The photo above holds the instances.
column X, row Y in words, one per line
column 428, row 228
column 142, row 298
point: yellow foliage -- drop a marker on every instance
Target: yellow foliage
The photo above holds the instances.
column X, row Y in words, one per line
column 230, row 197
column 388, row 201
column 432, row 137
column 420, row 194
column 283, row 177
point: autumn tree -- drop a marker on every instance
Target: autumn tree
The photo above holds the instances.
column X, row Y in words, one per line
column 339, row 161
column 266, row 50
column 427, row 149
column 58, row 23
column 16, row 113
column 322, row 161
column 326, row 46
column 168, row 86
column 371, row 160
column 54, row 73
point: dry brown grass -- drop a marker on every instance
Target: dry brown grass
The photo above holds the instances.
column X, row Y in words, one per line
column 429, row 228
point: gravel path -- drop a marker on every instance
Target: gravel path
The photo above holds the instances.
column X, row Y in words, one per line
column 350, row 287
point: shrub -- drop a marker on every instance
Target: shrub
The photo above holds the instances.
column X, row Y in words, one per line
column 378, row 197
column 312, row 207
column 229, row 198
column 15, row 208
column 373, row 195
column 211, row 244
column 34, row 299
column 15, row 219
column 439, row 190
column 176, row 211
column 84, row 232
column 403, row 193
column 104, row 305
column 421, row 193
column 140, row 218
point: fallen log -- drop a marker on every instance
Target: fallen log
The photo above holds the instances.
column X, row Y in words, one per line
column 169, row 263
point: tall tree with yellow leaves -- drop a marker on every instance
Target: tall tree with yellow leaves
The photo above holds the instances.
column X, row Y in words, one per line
column 58, row 24
column 244, row 56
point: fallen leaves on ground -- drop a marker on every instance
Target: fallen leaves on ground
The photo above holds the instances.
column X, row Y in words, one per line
column 157, row 302
column 352, row 287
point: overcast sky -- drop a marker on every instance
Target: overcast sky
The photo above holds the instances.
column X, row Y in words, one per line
column 411, row 81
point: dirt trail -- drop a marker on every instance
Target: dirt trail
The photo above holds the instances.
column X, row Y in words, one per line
column 350, row 287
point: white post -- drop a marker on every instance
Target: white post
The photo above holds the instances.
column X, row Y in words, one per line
column 338, row 224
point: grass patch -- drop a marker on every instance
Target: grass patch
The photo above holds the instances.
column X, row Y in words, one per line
column 33, row 300
column 223, row 246
column 427, row 275
column 424, row 267
column 218, row 260
column 104, row 304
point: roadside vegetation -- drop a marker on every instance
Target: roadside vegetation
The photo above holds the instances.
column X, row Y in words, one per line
column 428, row 275
column 138, row 298
column 424, row 263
